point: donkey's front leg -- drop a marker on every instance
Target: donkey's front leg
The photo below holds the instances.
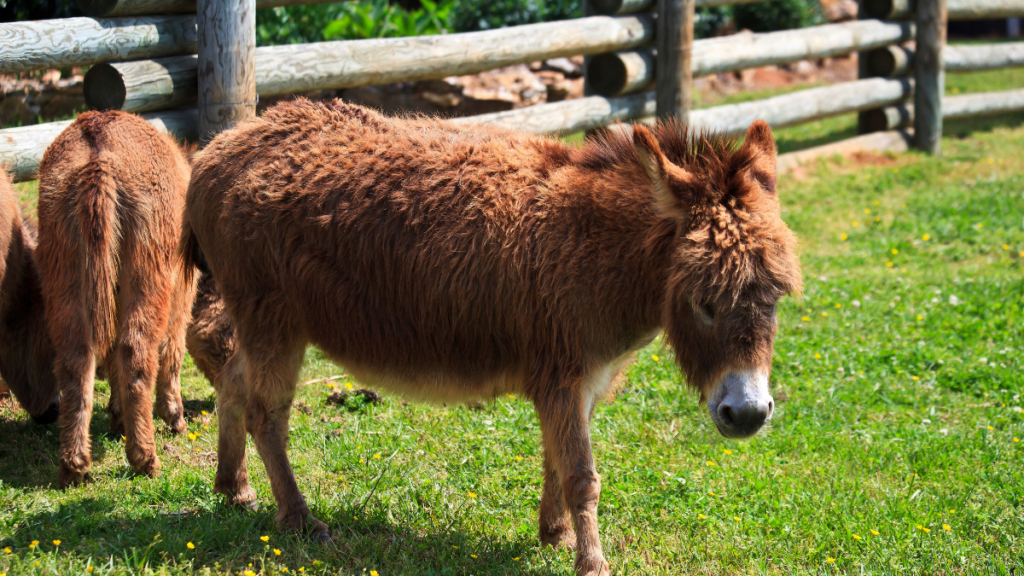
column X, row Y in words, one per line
column 564, row 420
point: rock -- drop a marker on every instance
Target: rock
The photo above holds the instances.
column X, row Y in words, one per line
column 569, row 67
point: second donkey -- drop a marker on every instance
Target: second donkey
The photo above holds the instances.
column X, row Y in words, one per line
column 111, row 196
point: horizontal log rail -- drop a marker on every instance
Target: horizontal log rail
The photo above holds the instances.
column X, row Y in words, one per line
column 894, row 61
column 21, row 149
column 163, row 83
column 620, row 7
column 956, row 9
column 953, row 108
column 169, row 82
column 110, row 8
column 569, row 116
column 84, row 41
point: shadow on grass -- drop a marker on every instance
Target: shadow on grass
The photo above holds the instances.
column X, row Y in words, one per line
column 227, row 539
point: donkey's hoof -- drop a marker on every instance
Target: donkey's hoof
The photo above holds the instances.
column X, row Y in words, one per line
column 145, row 465
column 592, row 566
column 68, row 478
column 177, row 424
column 243, row 496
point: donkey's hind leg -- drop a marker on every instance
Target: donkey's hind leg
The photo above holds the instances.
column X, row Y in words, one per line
column 555, row 523
column 115, row 406
column 232, row 478
column 271, row 376
column 74, row 367
column 168, row 381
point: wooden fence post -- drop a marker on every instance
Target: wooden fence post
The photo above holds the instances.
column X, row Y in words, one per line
column 929, row 75
column 862, row 71
column 227, row 71
column 674, row 70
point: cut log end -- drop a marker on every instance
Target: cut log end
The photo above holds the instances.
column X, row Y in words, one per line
column 607, row 74
column 104, row 88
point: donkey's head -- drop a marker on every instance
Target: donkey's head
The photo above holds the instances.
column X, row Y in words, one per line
column 733, row 258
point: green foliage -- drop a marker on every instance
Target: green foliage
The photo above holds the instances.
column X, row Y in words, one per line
column 297, row 24
column 379, row 19
column 708, row 21
column 470, row 15
column 778, row 15
column 20, row 10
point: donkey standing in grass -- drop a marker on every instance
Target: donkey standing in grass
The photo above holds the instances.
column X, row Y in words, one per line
column 111, row 198
column 26, row 354
column 453, row 263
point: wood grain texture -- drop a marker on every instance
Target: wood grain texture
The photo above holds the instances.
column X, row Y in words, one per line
column 226, row 64
column 322, row 65
column 953, row 108
column 109, row 8
column 805, row 105
column 571, row 115
column 143, row 85
column 741, row 51
column 891, row 141
column 618, row 73
column 85, row 41
column 21, row 149
column 957, row 9
column 674, row 81
column 929, row 75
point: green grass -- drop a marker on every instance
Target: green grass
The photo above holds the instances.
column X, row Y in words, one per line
column 898, row 387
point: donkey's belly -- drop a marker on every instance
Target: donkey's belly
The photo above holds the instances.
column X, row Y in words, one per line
column 435, row 387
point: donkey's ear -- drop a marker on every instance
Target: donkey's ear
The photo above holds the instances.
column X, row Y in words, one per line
column 759, row 147
column 672, row 184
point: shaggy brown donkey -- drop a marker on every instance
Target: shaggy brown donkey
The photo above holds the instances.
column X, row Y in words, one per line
column 451, row 263
column 111, row 198
column 26, row 354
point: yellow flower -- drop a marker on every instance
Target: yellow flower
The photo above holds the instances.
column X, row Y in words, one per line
column 838, row 305
column 56, row 542
column 830, row 560
column 265, row 538
column 655, row 357
column 7, row 550
column 510, row 395
column 1015, row 439
column 710, row 463
column 203, row 413
column 361, row 460
column 472, row 556
column 1006, row 246
column 191, row 436
column 923, row 529
column 284, row 569
column 867, row 211
column 516, row 559
column 856, row 537
column 990, row 428
column 519, row 458
column 348, row 385
column 805, row 318
column 736, row 518
column 190, row 546
column 843, row 236
column 895, row 251
column 702, row 517
column 277, row 552
column 124, row 438
column 472, row 494
column 947, row 527
column 1021, row 254
column 374, row 573
column 920, row 317
column 376, row 456
column 711, row 492
column 855, row 223
column 915, row 378
column 248, row 573
column 875, row 202
column 888, row 264
column 824, row 313
column 89, row 569
column 727, row 451
column 991, row 160
column 876, row 533
column 34, row 544
column 926, row 237
column 816, row 355
column 877, row 219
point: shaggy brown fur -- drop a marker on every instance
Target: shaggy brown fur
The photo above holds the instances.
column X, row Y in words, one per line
column 451, row 263
column 26, row 354
column 111, row 197
column 211, row 336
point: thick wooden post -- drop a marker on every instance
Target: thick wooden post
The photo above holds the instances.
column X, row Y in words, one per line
column 227, row 71
column 929, row 75
column 863, row 72
column 674, row 79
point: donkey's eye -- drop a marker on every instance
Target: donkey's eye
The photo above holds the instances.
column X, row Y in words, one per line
column 706, row 311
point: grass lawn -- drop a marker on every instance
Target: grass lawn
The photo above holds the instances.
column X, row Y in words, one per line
column 897, row 445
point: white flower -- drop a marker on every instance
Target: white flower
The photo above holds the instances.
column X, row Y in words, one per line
column 953, row 300
column 855, row 303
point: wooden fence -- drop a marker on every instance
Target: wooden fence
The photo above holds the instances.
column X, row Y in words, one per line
column 192, row 68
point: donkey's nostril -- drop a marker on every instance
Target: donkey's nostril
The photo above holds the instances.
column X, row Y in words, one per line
column 725, row 413
column 771, row 408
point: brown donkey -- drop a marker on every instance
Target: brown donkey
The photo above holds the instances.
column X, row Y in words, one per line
column 111, row 197
column 26, row 354
column 211, row 336
column 450, row 263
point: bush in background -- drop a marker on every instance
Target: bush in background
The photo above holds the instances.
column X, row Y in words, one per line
column 778, row 15
column 470, row 15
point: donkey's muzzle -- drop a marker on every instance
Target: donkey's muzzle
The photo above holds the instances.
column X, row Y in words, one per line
column 741, row 404
column 49, row 416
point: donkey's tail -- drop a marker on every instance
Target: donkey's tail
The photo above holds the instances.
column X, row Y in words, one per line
column 98, row 221
column 189, row 252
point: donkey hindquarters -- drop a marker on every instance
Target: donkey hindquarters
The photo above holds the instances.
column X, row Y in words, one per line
column 453, row 263
column 26, row 353
column 111, row 197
